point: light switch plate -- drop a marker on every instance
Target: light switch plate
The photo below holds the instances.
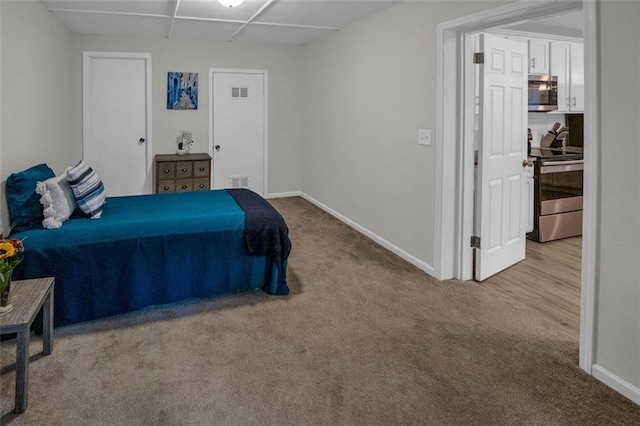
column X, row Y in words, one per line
column 424, row 137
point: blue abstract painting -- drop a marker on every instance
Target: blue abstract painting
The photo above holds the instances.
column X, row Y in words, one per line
column 182, row 90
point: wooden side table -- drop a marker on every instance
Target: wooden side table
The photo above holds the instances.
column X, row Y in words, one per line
column 28, row 297
column 182, row 173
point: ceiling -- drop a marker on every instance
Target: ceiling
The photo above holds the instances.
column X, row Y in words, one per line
column 568, row 25
column 290, row 22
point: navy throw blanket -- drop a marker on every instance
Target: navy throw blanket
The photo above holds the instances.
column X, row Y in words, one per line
column 265, row 233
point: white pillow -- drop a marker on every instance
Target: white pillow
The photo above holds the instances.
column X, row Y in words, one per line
column 58, row 202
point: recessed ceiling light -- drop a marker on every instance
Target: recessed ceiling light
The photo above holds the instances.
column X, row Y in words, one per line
column 230, row 3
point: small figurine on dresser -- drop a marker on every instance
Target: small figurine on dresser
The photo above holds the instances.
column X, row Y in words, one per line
column 184, row 141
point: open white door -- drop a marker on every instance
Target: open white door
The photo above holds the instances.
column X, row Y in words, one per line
column 502, row 196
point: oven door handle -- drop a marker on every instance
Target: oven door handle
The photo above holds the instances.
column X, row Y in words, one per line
column 562, row 162
column 562, row 166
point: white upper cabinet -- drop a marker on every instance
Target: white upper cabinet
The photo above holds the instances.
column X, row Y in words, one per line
column 538, row 56
column 567, row 63
column 560, row 57
column 576, row 73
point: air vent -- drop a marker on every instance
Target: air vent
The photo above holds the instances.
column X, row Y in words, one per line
column 239, row 92
column 239, row 181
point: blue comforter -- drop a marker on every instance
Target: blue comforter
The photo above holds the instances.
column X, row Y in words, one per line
column 147, row 250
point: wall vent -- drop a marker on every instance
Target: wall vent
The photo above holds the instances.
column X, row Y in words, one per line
column 239, row 93
column 239, row 181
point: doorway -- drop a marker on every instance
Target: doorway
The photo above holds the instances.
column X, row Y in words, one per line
column 238, row 129
column 546, row 281
column 454, row 161
column 117, row 120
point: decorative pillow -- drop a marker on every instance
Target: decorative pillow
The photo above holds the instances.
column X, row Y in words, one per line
column 23, row 202
column 58, row 202
column 88, row 189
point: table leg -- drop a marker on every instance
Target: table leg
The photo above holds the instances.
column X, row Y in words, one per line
column 22, row 371
column 47, row 324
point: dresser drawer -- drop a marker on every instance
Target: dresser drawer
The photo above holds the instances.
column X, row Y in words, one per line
column 166, row 186
column 184, row 169
column 201, row 184
column 166, row 170
column 182, row 173
column 201, row 168
column 184, row 185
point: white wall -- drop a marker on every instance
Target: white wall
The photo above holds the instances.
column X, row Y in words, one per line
column 36, row 86
column 42, row 92
column 369, row 88
column 282, row 62
column 618, row 308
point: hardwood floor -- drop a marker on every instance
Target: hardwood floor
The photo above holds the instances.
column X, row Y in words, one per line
column 546, row 283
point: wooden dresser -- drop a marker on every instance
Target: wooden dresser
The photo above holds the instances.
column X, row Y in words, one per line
column 182, row 173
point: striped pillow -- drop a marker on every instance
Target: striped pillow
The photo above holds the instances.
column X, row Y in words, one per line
column 88, row 189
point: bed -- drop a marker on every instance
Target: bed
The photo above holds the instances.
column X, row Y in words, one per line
column 156, row 249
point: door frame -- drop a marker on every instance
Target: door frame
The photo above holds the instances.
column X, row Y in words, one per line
column 87, row 56
column 454, row 157
column 265, row 129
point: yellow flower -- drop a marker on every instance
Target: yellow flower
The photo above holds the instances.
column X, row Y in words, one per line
column 7, row 250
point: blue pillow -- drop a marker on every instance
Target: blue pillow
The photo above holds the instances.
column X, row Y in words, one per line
column 24, row 204
column 87, row 189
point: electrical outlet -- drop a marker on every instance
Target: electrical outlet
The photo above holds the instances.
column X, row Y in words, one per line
column 424, row 137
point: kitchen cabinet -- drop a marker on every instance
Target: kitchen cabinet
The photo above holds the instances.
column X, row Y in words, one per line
column 560, row 57
column 567, row 63
column 538, row 53
column 576, row 76
column 538, row 56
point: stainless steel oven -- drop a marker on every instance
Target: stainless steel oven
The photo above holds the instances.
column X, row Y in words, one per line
column 557, row 197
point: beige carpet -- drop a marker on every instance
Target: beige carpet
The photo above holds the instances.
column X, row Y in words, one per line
column 364, row 338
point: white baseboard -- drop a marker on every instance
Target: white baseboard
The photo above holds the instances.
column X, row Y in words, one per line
column 616, row 383
column 284, row 194
column 378, row 239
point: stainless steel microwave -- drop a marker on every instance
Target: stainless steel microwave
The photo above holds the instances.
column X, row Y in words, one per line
column 543, row 92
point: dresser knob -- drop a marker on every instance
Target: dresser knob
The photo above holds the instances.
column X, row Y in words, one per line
column 184, row 170
column 201, row 185
column 184, row 186
column 166, row 170
column 202, row 169
column 166, row 188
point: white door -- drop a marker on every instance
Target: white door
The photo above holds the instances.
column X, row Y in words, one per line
column 239, row 143
column 116, row 121
column 501, row 189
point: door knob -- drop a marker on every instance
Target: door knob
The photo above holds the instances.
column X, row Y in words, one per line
column 141, row 140
column 217, row 147
column 527, row 163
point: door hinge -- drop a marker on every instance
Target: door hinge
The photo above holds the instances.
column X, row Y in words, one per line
column 478, row 58
column 475, row 242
